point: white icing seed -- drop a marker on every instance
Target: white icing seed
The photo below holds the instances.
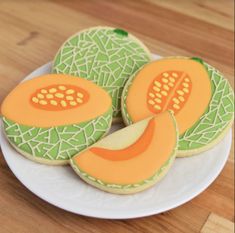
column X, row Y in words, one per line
column 52, row 90
column 156, row 88
column 79, row 100
column 157, row 107
column 69, row 97
column 80, row 95
column 174, row 75
column 181, row 98
column 176, row 106
column 180, row 92
column 165, row 74
column 166, row 87
column 42, row 102
column 185, row 85
column 151, row 102
column 40, row 96
column 43, row 91
column 53, row 102
column 70, row 91
column 63, row 103
column 49, row 96
column 72, row 103
column 151, row 95
column 158, row 84
column 35, row 100
column 164, row 93
column 175, row 100
column 59, row 95
column 165, row 80
column 185, row 90
column 172, row 79
column 157, row 100
column 62, row 88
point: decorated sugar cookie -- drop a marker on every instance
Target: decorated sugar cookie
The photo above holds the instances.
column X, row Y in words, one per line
column 200, row 97
column 51, row 118
column 131, row 159
column 104, row 55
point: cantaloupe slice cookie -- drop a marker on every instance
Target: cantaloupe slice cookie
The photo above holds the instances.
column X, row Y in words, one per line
column 51, row 118
column 105, row 55
column 198, row 94
column 131, row 159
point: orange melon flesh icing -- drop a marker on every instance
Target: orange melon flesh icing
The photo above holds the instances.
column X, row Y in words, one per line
column 133, row 169
column 181, row 85
column 130, row 152
column 54, row 100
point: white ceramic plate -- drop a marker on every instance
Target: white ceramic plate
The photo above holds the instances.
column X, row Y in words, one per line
column 62, row 188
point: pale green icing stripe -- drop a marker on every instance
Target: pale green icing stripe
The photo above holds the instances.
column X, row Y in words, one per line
column 213, row 122
column 57, row 143
column 104, row 56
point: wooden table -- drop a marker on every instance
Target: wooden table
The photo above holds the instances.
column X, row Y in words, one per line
column 30, row 34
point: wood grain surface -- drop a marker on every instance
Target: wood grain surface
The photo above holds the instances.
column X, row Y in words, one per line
column 30, row 34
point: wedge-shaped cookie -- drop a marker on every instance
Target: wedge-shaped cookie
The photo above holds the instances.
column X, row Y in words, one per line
column 131, row 159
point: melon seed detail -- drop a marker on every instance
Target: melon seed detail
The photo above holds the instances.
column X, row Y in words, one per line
column 169, row 90
column 59, row 97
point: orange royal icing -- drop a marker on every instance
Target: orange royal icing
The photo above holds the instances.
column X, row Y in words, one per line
column 59, row 97
column 189, row 102
column 169, row 91
column 19, row 107
column 128, row 153
column 137, row 168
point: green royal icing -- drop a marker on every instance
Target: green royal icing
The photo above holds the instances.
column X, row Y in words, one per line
column 217, row 116
column 215, row 119
column 57, row 143
column 120, row 32
column 198, row 60
column 105, row 56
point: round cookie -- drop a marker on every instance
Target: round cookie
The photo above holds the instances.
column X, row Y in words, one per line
column 132, row 159
column 104, row 55
column 198, row 94
column 51, row 118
